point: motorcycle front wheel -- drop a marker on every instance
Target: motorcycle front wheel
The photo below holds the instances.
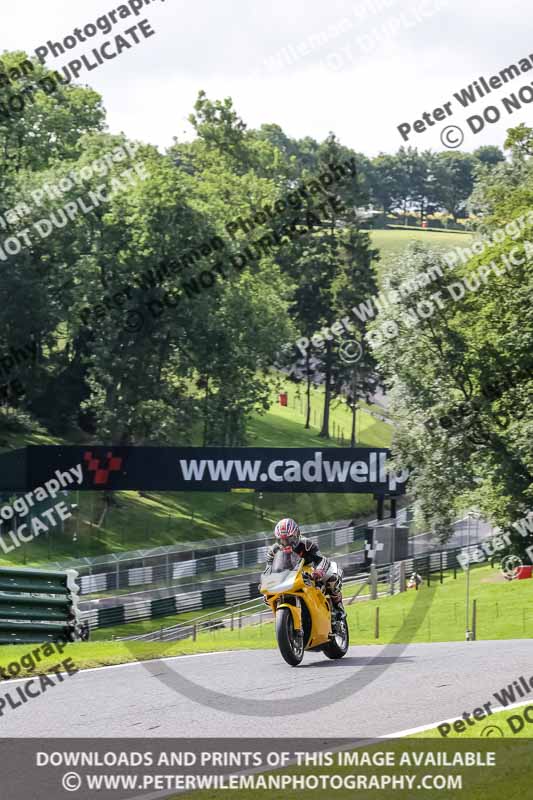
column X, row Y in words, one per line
column 338, row 646
column 290, row 643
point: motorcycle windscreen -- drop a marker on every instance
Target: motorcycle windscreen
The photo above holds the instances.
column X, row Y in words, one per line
column 282, row 573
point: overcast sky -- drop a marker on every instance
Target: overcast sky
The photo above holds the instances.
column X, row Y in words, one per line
column 363, row 68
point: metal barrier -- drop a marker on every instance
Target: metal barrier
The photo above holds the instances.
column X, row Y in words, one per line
column 202, row 592
column 174, row 567
column 38, row 606
column 246, row 612
column 234, row 616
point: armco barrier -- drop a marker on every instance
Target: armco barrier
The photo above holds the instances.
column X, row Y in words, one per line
column 38, row 606
column 109, row 616
column 252, row 612
column 173, row 566
column 353, row 565
column 186, row 567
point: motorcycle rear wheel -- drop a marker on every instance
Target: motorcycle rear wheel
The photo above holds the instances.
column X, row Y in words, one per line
column 291, row 645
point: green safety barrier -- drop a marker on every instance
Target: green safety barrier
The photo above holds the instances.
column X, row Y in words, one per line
column 109, row 616
column 38, row 606
column 36, row 580
column 163, row 607
column 34, row 608
column 36, row 633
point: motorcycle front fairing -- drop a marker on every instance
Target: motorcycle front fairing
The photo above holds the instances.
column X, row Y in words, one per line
column 282, row 574
column 287, row 576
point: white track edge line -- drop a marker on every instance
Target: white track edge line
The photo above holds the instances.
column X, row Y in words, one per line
column 117, row 666
column 422, row 728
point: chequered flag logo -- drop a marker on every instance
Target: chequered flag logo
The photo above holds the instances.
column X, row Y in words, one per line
column 101, row 474
column 370, row 551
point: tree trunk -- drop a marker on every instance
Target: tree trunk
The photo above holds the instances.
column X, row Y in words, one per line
column 352, row 435
column 206, row 412
column 324, row 433
column 354, row 413
column 308, row 389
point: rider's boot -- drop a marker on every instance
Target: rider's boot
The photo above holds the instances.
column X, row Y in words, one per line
column 338, row 608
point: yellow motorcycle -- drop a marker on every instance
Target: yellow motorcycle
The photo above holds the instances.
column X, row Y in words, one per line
column 304, row 615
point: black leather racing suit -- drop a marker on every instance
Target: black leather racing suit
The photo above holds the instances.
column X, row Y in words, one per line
column 311, row 554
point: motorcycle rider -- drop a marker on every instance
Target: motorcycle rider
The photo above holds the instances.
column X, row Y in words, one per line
column 289, row 537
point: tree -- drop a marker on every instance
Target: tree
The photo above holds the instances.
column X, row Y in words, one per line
column 385, row 181
column 439, row 360
column 489, row 154
column 453, row 181
column 415, row 181
column 40, row 143
column 336, row 261
column 520, row 141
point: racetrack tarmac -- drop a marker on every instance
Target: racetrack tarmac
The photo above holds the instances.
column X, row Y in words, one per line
column 386, row 690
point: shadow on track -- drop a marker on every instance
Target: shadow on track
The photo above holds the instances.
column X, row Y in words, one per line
column 370, row 661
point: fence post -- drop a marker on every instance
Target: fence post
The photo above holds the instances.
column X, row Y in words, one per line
column 194, row 632
column 441, row 574
column 376, row 625
column 240, row 620
column 373, row 583
column 429, row 571
column 474, row 619
column 232, row 623
column 402, row 576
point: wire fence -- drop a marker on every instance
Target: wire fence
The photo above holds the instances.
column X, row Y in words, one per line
column 381, row 581
column 180, row 568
